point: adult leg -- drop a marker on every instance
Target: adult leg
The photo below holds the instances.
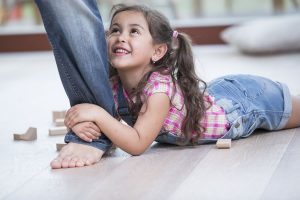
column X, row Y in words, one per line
column 294, row 120
column 75, row 31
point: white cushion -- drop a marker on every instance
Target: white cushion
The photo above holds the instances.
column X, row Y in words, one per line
column 269, row 35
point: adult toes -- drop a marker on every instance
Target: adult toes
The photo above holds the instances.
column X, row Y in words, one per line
column 91, row 160
column 56, row 163
column 66, row 162
column 80, row 163
column 88, row 162
column 72, row 162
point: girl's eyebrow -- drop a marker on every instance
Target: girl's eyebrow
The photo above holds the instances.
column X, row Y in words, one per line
column 137, row 25
column 117, row 24
column 114, row 24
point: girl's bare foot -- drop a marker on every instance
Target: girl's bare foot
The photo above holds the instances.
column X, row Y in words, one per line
column 76, row 155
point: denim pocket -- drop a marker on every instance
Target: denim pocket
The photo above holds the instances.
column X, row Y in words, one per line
column 251, row 87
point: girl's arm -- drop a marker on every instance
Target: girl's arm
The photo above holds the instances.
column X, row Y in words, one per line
column 134, row 140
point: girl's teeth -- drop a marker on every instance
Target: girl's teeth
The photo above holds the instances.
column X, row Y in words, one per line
column 121, row 51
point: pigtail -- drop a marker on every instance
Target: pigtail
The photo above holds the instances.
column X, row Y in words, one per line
column 189, row 83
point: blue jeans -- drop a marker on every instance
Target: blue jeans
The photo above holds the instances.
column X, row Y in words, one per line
column 75, row 31
column 250, row 103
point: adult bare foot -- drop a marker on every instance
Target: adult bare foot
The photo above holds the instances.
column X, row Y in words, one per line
column 76, row 155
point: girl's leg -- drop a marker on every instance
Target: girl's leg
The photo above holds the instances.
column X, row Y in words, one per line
column 294, row 120
column 75, row 31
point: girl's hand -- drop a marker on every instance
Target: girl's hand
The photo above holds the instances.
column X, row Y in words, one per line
column 82, row 113
column 87, row 131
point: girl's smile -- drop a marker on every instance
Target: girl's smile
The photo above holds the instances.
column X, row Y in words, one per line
column 120, row 51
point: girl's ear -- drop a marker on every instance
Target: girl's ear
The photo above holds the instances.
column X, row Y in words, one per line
column 159, row 52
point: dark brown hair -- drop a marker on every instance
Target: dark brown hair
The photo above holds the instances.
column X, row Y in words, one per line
column 177, row 62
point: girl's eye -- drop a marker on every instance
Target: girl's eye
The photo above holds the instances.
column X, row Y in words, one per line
column 114, row 30
column 134, row 31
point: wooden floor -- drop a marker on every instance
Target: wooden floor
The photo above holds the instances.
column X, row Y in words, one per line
column 263, row 166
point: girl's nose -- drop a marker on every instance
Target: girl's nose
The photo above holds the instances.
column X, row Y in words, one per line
column 122, row 37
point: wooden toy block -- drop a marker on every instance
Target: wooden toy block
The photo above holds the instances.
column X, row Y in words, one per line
column 59, row 122
column 29, row 135
column 58, row 115
column 223, row 143
column 62, row 130
column 59, row 146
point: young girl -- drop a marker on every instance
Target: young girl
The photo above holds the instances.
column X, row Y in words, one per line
column 166, row 99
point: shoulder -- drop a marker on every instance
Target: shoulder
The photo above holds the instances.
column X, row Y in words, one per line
column 159, row 83
column 159, row 77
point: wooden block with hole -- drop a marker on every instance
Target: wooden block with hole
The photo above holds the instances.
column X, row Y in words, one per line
column 59, row 122
column 223, row 143
column 58, row 115
column 59, row 146
column 62, row 130
column 29, row 135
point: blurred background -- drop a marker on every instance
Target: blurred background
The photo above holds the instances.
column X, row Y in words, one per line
column 22, row 15
column 21, row 27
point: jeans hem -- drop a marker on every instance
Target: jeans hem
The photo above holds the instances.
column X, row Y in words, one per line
column 287, row 106
column 99, row 144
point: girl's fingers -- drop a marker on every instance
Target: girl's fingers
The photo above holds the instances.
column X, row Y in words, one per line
column 85, row 138
column 94, row 133
column 68, row 114
column 95, row 127
column 90, row 135
column 66, row 122
column 71, row 117
column 71, row 121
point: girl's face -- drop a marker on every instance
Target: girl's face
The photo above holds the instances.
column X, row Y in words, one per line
column 130, row 44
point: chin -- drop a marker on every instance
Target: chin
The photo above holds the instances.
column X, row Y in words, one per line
column 119, row 67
